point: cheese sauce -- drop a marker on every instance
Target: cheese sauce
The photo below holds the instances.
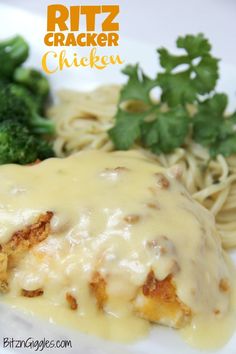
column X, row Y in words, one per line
column 113, row 213
column 209, row 332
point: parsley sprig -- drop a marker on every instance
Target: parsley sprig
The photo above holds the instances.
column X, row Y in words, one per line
column 189, row 78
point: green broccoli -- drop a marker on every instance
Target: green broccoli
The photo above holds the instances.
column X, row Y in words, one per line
column 18, row 145
column 35, row 82
column 3, row 83
column 13, row 52
column 33, row 79
column 17, row 104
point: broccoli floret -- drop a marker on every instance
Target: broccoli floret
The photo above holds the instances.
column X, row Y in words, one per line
column 17, row 104
column 13, row 52
column 18, row 145
column 45, row 149
column 35, row 82
column 4, row 82
column 33, row 79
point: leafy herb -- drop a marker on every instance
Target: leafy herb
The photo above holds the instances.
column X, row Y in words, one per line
column 213, row 129
column 197, row 78
column 166, row 132
column 127, row 129
column 208, row 119
column 163, row 126
column 138, row 86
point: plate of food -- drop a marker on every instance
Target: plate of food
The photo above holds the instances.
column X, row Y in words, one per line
column 117, row 199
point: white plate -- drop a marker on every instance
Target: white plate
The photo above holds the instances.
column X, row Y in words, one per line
column 15, row 324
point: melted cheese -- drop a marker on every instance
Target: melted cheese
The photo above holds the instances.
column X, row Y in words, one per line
column 108, row 209
column 211, row 332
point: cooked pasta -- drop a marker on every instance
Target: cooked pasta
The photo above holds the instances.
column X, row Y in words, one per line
column 82, row 120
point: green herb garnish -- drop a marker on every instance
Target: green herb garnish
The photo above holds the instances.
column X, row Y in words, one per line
column 189, row 78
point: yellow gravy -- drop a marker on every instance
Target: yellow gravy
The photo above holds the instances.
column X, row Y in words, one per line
column 107, row 208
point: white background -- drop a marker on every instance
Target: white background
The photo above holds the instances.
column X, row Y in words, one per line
column 159, row 22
